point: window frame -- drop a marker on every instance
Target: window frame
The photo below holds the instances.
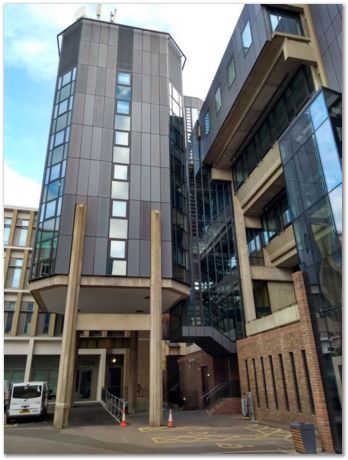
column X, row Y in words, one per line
column 247, row 27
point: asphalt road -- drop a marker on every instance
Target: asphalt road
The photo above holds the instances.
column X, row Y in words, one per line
column 93, row 431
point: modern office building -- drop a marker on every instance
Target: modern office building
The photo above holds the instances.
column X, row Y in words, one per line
column 250, row 210
column 265, row 183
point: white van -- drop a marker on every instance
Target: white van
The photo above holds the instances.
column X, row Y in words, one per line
column 28, row 399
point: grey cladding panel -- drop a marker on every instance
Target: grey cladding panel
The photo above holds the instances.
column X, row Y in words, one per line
column 146, row 41
column 84, row 52
column 144, row 258
column 155, row 184
column 125, row 48
column 68, row 212
column 103, row 217
column 155, row 150
column 105, row 179
column 72, row 168
column 95, row 32
column 102, row 57
column 137, row 61
column 93, row 54
column 133, row 268
column 165, row 185
column 86, row 142
column 135, row 148
column 81, row 78
column 113, row 35
column 154, row 121
column 63, row 254
column 79, row 105
column 145, row 149
column 91, row 79
column 154, row 43
column 164, row 146
column 111, row 57
column 138, row 39
column 136, row 116
column 107, row 143
column 88, row 256
column 109, row 110
column 167, row 264
column 145, row 218
column 93, row 183
column 101, row 245
column 155, row 86
column 154, row 64
column 166, row 222
column 146, row 89
column 145, row 118
column 100, row 82
column 92, row 215
column 137, row 86
column 89, row 109
column 82, row 183
column 134, row 220
column 96, row 143
column 110, row 83
column 98, row 115
column 70, row 49
column 75, row 140
column 145, row 182
column 146, row 63
column 86, row 30
column 135, row 182
column 104, row 33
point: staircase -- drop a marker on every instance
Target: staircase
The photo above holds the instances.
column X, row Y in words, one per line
column 225, row 406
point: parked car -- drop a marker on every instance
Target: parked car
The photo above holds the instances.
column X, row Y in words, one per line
column 28, row 399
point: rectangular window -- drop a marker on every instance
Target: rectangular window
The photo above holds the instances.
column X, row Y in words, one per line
column 121, row 138
column 247, row 38
column 124, row 78
column 124, row 93
column 63, row 107
column 256, row 384
column 118, row 249
column 118, row 228
column 282, row 373
column 43, row 321
column 121, row 172
column 273, row 382
column 119, row 190
column 14, row 273
column 207, row 122
column 25, row 317
column 231, row 72
column 288, row 22
column 59, row 138
column 122, row 122
column 261, row 299
column 254, row 241
column 123, row 107
column 7, row 229
column 119, row 268
column 21, row 232
column 9, row 308
column 121, row 155
column 294, row 376
column 66, row 78
column 119, row 209
column 218, row 100
column 308, row 381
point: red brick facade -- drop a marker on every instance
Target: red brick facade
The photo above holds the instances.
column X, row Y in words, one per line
column 272, row 365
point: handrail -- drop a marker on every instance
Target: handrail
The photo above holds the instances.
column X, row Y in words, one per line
column 213, row 390
column 221, row 390
column 114, row 405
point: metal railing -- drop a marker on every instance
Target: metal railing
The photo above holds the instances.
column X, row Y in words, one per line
column 114, row 405
column 221, row 390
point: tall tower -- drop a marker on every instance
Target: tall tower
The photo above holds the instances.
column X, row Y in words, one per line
column 115, row 150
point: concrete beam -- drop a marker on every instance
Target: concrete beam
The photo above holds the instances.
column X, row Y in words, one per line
column 112, row 322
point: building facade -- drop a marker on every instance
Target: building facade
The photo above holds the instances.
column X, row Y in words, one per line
column 270, row 132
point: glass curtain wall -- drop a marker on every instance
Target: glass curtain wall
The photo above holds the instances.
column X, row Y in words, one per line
column 311, row 155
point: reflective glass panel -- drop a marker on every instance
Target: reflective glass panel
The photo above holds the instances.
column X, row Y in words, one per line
column 318, row 111
column 50, row 209
column 122, row 122
column 66, row 78
column 123, row 78
column 63, row 107
column 119, row 190
column 55, row 170
column 59, row 138
column 53, row 190
column 336, row 207
column 57, row 154
column 119, row 267
column 218, row 101
column 121, row 172
column 121, row 155
column 121, row 138
column 118, row 249
column 247, row 37
column 119, row 209
column 122, row 107
column 231, row 72
column 118, row 228
column 123, row 92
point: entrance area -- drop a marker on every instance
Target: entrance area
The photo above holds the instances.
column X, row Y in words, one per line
column 86, row 378
column 114, row 377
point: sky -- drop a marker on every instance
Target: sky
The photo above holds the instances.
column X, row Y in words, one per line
column 202, row 31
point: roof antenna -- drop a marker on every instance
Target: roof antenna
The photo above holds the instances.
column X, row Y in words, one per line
column 98, row 10
column 113, row 15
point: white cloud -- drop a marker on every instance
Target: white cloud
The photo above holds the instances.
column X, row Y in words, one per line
column 19, row 190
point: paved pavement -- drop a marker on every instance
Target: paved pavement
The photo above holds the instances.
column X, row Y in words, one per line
column 93, row 431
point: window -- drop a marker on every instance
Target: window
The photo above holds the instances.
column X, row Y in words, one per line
column 207, row 122
column 118, row 249
column 285, row 21
column 14, row 273
column 43, row 322
column 261, row 299
column 120, row 172
column 254, row 241
column 9, row 308
column 119, row 209
column 121, row 155
column 25, row 317
column 276, row 217
column 7, row 229
column 124, row 93
column 247, row 38
column 121, row 138
column 118, row 228
column 119, row 267
column 218, row 100
column 21, row 232
column 124, row 78
column 123, row 107
column 122, row 122
column 119, row 190
column 231, row 72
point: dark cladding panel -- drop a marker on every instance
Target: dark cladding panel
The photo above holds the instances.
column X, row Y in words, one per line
column 70, row 49
column 125, row 48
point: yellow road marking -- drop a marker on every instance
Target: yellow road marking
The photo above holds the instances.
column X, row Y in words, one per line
column 165, row 428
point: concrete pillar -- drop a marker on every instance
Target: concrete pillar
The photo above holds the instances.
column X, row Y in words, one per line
column 243, row 260
column 67, row 356
column 101, row 373
column 155, row 392
column 132, row 376
column 29, row 360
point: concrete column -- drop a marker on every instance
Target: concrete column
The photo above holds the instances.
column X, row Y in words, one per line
column 132, row 376
column 155, row 393
column 67, row 356
column 29, row 360
column 243, row 259
column 101, row 373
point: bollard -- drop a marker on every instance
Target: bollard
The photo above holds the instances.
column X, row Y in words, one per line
column 303, row 435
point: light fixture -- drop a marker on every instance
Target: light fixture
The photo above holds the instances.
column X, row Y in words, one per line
column 113, row 360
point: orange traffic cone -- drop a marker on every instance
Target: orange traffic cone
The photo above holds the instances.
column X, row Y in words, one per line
column 170, row 420
column 123, row 422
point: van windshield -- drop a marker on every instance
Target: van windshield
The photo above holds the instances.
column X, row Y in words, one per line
column 27, row 392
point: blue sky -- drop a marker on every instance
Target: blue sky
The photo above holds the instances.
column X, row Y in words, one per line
column 30, row 66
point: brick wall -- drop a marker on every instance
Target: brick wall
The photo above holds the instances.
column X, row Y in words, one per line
column 229, row 406
column 292, row 391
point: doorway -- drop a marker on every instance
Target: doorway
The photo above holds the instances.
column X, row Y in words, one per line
column 83, row 384
column 205, row 384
